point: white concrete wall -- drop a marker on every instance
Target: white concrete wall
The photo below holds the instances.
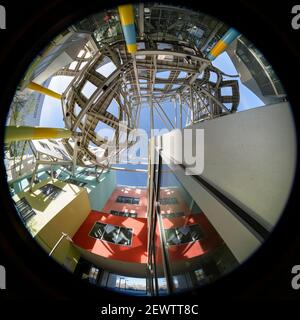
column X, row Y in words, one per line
column 237, row 237
column 61, row 61
column 250, row 156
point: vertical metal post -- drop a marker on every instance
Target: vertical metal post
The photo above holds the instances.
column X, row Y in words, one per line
column 192, row 105
column 151, row 118
column 63, row 235
column 175, row 111
column 165, row 254
column 75, row 152
column 141, row 20
column 34, row 171
column 180, row 106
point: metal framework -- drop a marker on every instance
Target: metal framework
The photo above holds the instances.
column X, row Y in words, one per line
column 170, row 65
column 135, row 82
column 171, row 62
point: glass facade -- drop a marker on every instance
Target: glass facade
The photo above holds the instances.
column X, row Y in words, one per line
column 259, row 68
column 185, row 235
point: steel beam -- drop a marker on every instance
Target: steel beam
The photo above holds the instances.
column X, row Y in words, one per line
column 22, row 133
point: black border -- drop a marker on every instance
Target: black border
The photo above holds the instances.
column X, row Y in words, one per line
column 30, row 274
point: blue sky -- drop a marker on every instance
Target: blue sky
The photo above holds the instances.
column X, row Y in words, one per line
column 51, row 115
column 248, row 99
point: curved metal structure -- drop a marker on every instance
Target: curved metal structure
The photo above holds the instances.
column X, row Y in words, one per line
column 162, row 69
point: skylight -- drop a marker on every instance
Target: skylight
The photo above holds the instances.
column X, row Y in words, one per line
column 88, row 89
column 107, row 69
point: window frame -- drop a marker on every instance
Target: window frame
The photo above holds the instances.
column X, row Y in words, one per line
column 123, row 214
column 127, row 197
column 167, row 201
column 56, row 189
column 201, row 238
column 119, row 227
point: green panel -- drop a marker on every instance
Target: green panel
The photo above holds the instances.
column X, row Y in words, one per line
column 101, row 191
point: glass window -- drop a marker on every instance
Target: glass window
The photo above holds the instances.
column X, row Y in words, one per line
column 89, row 173
column 124, row 214
column 131, row 200
column 62, row 153
column 200, row 275
column 112, row 233
column 106, row 68
column 172, row 215
column 166, row 201
column 93, row 275
column 50, row 190
column 88, row 89
column 54, row 141
column 128, row 284
column 98, row 230
column 184, row 234
column 135, row 201
column 77, row 183
column 124, row 236
column 44, row 145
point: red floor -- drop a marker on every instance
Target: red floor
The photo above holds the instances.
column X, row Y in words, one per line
column 197, row 248
column 137, row 252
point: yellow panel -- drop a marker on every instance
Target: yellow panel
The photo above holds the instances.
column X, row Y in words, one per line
column 126, row 14
column 41, row 89
column 67, row 220
column 48, row 133
column 21, row 133
column 218, row 48
column 132, row 48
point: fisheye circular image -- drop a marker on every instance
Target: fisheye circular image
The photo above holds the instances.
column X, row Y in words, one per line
column 150, row 149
